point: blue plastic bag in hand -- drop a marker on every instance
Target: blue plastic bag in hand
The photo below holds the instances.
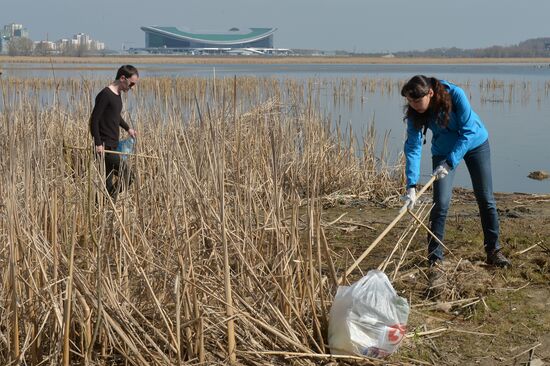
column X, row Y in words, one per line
column 126, row 146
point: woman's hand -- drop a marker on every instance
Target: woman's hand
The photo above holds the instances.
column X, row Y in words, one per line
column 441, row 171
column 410, row 198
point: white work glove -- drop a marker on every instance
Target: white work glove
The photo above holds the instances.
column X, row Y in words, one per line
column 441, row 171
column 410, row 198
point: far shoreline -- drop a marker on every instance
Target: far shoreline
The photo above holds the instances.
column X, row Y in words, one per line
column 164, row 59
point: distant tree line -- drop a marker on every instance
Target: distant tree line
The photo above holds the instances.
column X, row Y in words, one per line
column 536, row 47
column 20, row 46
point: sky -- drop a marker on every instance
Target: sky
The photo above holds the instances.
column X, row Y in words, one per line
column 350, row 25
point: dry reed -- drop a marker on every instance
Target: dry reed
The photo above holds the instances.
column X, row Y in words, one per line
column 216, row 254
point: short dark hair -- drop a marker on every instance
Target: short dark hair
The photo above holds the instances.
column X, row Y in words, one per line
column 127, row 71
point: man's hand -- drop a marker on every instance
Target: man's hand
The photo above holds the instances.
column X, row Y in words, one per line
column 441, row 171
column 99, row 149
column 410, row 198
column 132, row 132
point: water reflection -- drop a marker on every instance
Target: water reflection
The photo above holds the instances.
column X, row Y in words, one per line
column 512, row 100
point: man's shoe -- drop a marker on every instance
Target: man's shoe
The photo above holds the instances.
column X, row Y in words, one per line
column 497, row 259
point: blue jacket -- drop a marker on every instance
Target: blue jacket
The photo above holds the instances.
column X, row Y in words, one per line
column 464, row 132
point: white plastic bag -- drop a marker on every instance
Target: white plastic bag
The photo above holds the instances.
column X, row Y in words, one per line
column 367, row 318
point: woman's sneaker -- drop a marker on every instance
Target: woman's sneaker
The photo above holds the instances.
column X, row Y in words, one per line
column 497, row 259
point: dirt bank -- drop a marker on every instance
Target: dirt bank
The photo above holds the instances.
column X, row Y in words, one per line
column 485, row 316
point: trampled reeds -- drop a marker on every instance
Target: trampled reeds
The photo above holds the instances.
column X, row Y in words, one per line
column 215, row 253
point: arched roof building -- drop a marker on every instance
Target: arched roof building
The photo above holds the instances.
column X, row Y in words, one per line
column 171, row 37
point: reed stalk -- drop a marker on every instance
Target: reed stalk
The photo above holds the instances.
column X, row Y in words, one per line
column 230, row 180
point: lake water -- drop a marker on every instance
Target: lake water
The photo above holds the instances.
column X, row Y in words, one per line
column 516, row 114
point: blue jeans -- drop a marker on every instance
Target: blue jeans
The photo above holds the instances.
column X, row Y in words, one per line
column 478, row 161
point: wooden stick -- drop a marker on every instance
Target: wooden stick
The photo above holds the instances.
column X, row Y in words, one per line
column 276, row 333
column 402, row 259
column 357, row 224
column 402, row 212
column 67, row 147
column 528, row 249
column 335, row 221
column 68, row 300
column 456, row 302
column 231, row 344
column 313, row 355
column 428, row 230
column 429, row 332
column 13, row 274
column 332, row 270
column 178, row 317
column 527, row 350
column 475, row 333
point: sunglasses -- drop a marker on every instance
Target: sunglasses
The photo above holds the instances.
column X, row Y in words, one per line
column 130, row 83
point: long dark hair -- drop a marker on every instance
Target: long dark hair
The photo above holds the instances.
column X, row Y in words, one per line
column 440, row 104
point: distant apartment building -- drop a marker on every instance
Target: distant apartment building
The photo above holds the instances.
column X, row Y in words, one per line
column 15, row 30
column 80, row 41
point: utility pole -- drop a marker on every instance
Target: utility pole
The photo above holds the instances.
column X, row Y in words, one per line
column 124, row 44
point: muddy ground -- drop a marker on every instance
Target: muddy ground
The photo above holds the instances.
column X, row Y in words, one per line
column 483, row 315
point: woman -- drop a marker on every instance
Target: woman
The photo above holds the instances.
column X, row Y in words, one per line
column 457, row 133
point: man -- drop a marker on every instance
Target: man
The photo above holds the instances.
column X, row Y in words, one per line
column 105, row 123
